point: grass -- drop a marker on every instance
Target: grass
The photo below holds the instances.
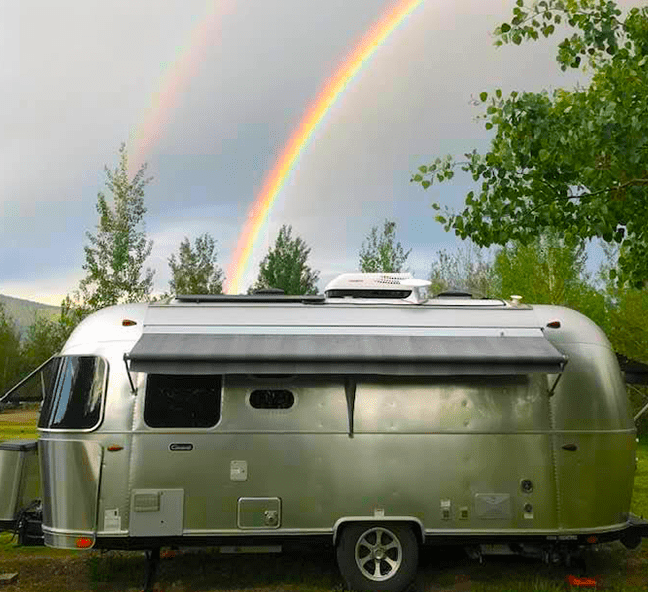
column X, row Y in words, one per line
column 308, row 570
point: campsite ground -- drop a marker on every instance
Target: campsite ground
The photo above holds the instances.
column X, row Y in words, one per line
column 303, row 569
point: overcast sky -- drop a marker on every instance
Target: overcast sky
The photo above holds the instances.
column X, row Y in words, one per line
column 208, row 93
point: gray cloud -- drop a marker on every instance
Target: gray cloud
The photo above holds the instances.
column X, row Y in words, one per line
column 79, row 78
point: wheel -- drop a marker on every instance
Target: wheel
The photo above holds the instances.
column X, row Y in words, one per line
column 377, row 557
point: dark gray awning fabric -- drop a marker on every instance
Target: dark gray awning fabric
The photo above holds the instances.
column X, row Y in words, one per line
column 158, row 353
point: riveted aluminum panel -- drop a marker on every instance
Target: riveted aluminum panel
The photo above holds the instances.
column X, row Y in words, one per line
column 70, row 473
column 498, row 404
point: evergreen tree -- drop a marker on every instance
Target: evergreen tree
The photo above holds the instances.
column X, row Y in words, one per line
column 381, row 252
column 195, row 270
column 117, row 252
column 285, row 268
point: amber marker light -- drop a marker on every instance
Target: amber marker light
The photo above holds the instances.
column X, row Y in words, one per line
column 83, row 543
column 554, row 324
column 128, row 323
column 115, row 448
column 581, row 582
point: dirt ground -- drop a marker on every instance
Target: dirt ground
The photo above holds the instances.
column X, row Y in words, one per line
column 440, row 570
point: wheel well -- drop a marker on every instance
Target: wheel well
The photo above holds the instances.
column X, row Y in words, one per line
column 341, row 524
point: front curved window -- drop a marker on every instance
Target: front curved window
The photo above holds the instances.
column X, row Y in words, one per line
column 74, row 401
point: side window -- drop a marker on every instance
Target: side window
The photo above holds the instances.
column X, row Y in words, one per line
column 76, row 388
column 272, row 399
column 182, row 401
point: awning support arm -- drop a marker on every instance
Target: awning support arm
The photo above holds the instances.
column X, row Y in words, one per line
column 644, row 408
column 130, row 379
column 350, row 392
column 554, row 385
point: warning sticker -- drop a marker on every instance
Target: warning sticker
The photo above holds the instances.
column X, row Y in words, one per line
column 112, row 520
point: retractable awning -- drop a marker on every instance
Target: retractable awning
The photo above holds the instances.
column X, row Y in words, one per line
column 184, row 353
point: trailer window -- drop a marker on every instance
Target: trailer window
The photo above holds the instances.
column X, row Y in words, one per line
column 272, row 399
column 182, row 401
column 74, row 401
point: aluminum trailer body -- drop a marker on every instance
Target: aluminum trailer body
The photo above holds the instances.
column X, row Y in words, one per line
column 231, row 420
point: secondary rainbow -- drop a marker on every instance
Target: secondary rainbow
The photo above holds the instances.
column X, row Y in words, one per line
column 175, row 81
column 273, row 183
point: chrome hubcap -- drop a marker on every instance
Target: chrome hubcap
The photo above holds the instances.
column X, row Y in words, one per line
column 378, row 554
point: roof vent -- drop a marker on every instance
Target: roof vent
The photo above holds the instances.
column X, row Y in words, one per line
column 400, row 286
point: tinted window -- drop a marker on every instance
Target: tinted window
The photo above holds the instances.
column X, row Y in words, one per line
column 178, row 401
column 272, row 399
column 73, row 400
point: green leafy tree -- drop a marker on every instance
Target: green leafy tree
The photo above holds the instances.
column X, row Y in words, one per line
column 381, row 253
column 574, row 160
column 116, row 254
column 548, row 271
column 627, row 309
column 10, row 360
column 46, row 337
column 468, row 268
column 285, row 268
column 195, row 270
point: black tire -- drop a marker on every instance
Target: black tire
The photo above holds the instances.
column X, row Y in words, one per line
column 390, row 548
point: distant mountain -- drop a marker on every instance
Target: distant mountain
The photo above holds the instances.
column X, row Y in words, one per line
column 24, row 312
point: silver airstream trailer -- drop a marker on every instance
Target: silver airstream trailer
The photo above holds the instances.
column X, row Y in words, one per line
column 370, row 417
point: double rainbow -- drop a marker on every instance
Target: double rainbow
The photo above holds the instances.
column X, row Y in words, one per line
column 275, row 180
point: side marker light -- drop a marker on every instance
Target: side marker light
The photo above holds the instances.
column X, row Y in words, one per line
column 115, row 448
column 592, row 539
column 581, row 582
column 83, row 543
column 128, row 323
column 554, row 324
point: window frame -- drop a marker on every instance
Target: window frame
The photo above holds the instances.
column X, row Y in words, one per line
column 102, row 400
column 189, row 429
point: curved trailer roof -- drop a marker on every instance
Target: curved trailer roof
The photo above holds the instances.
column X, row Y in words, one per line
column 279, row 335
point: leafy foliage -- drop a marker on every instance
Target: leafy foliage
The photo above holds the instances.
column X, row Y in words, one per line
column 381, row 252
column 285, row 268
column 116, row 254
column 46, row 336
column 574, row 161
column 548, row 271
column 10, row 362
column 195, row 271
column 468, row 268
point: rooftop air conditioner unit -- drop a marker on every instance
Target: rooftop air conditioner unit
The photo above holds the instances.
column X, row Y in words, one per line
column 398, row 286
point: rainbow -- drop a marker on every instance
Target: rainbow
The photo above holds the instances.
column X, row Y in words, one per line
column 175, row 80
column 258, row 213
